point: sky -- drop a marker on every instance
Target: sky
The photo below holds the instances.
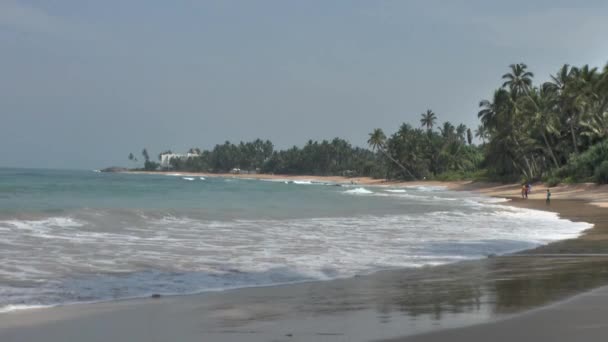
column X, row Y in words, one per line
column 84, row 83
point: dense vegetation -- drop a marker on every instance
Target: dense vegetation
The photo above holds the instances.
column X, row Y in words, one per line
column 408, row 154
column 554, row 131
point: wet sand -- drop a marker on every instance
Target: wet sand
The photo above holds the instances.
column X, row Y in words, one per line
column 580, row 319
column 473, row 300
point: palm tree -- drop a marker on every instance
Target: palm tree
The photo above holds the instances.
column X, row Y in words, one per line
column 448, row 130
column 461, row 130
column 519, row 81
column 562, row 77
column 377, row 141
column 132, row 157
column 428, row 119
column 491, row 111
column 565, row 83
column 481, row 133
column 540, row 106
column 469, row 136
column 145, row 154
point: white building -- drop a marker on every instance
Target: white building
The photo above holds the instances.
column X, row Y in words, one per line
column 165, row 158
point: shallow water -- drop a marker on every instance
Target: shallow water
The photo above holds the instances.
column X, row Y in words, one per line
column 79, row 236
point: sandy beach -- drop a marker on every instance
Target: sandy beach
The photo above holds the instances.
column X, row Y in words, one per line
column 505, row 297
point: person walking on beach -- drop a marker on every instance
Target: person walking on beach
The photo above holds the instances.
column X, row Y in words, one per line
column 548, row 196
column 523, row 191
column 527, row 186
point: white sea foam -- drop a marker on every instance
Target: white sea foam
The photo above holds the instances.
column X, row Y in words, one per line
column 397, row 191
column 11, row 308
column 426, row 187
column 188, row 178
column 302, row 182
column 358, row 191
column 42, row 225
column 273, row 180
column 109, row 254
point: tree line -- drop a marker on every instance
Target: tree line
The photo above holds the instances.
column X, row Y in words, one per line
column 426, row 153
column 555, row 131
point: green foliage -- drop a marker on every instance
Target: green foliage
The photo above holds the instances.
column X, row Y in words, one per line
column 453, row 176
column 418, row 154
column 601, row 173
column 336, row 157
column 547, row 130
column 585, row 166
column 551, row 181
column 145, row 154
column 151, row 166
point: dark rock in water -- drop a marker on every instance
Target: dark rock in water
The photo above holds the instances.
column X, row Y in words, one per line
column 114, row 169
column 289, row 335
column 492, row 255
column 155, row 296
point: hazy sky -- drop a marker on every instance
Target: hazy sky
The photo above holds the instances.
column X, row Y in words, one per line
column 83, row 83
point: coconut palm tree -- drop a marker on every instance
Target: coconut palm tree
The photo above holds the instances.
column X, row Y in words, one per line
column 481, row 133
column 540, row 107
column 519, row 80
column 491, row 111
column 404, row 130
column 448, row 130
column 461, row 131
column 567, row 86
column 145, row 154
column 132, row 157
column 428, row 119
column 377, row 141
column 562, row 77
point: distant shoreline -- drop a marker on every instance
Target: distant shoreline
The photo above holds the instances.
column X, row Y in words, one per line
column 590, row 192
column 320, row 179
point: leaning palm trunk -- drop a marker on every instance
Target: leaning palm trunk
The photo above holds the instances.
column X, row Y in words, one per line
column 398, row 163
column 550, row 150
column 528, row 172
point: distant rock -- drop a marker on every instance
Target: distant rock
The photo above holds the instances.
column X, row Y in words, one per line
column 155, row 296
column 114, row 169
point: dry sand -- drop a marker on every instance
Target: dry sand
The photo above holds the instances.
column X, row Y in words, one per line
column 469, row 301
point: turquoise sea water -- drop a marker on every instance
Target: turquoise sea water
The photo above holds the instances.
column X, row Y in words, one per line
column 82, row 236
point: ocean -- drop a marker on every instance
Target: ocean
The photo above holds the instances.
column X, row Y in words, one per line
column 82, row 236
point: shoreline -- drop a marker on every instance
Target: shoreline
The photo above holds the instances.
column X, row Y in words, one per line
column 592, row 193
column 319, row 179
column 71, row 316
